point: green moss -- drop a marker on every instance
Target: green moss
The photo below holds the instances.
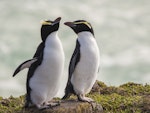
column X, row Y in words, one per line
column 117, row 103
column 11, row 105
column 127, row 98
column 135, row 89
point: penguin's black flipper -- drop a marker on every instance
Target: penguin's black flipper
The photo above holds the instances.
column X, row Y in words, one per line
column 39, row 55
column 24, row 65
column 73, row 62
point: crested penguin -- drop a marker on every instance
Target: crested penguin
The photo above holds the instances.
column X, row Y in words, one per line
column 46, row 67
column 84, row 63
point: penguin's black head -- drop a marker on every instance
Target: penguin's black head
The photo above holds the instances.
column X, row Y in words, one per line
column 79, row 26
column 48, row 27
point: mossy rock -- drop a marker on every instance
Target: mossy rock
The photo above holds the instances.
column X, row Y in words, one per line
column 15, row 105
column 145, row 104
column 127, row 98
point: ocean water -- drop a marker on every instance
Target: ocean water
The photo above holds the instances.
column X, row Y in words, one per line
column 122, row 31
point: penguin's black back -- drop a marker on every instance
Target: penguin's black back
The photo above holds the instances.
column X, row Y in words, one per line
column 73, row 62
column 39, row 55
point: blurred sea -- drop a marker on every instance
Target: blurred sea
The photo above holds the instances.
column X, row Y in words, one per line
column 122, row 30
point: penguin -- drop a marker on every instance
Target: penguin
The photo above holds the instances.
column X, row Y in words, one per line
column 45, row 68
column 84, row 63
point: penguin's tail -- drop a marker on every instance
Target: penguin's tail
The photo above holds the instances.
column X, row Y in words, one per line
column 68, row 91
column 28, row 102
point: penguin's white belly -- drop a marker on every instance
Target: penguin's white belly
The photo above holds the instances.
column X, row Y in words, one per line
column 45, row 82
column 85, row 73
column 47, row 77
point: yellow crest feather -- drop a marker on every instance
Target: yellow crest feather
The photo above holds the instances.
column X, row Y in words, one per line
column 45, row 22
column 86, row 23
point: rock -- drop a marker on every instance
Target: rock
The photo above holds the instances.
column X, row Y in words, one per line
column 145, row 104
column 69, row 106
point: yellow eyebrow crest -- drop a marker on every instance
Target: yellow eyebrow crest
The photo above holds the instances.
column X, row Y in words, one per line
column 86, row 23
column 44, row 22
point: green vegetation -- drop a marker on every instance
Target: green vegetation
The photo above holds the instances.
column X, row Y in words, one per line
column 127, row 98
column 11, row 105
